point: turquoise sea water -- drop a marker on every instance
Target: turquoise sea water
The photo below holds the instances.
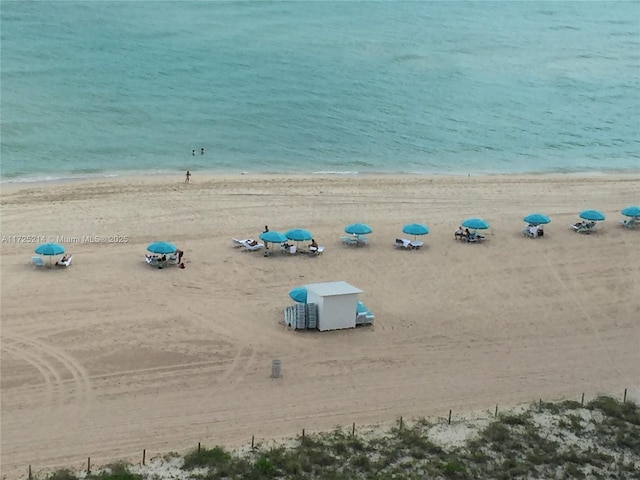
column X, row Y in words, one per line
column 109, row 87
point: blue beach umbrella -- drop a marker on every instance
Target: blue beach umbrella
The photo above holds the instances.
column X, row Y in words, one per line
column 358, row 229
column 537, row 219
column 273, row 237
column 475, row 224
column 633, row 211
column 415, row 229
column 298, row 234
column 592, row 215
column 161, row 248
column 49, row 249
column 299, row 294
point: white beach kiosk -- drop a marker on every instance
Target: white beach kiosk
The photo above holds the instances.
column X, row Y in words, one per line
column 337, row 304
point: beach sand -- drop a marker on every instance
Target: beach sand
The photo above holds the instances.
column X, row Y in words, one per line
column 109, row 356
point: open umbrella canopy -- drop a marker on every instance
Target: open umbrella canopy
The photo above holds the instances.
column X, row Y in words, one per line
column 273, row 237
column 358, row 229
column 161, row 248
column 537, row 219
column 298, row 234
column 592, row 215
column 475, row 224
column 633, row 211
column 299, row 294
column 415, row 229
column 49, row 249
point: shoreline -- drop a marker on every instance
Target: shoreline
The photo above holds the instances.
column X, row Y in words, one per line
column 133, row 174
column 9, row 187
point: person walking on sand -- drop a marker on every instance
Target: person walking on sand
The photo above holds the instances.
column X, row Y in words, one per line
column 187, row 177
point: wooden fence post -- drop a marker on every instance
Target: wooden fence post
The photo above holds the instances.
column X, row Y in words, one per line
column 30, row 477
column 252, row 442
column 353, row 429
column 496, row 413
column 88, row 465
column 144, row 454
column 303, row 434
column 624, row 399
column 582, row 400
column 449, row 421
column 400, row 423
column 198, row 448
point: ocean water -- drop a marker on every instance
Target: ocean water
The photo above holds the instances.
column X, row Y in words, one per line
column 95, row 88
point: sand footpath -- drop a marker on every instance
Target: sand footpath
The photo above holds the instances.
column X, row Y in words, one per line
column 109, row 356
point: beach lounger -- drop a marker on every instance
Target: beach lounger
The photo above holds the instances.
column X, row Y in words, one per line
column 66, row 263
column 237, row 243
column 402, row 243
column 252, row 248
column 361, row 240
column 533, row 231
column 631, row 223
column 350, row 240
column 288, row 248
column 474, row 238
column 153, row 261
column 408, row 244
column 245, row 244
column 316, row 251
column 584, row 227
column 37, row 262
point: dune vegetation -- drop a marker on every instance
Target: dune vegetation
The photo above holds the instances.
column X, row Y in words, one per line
column 598, row 440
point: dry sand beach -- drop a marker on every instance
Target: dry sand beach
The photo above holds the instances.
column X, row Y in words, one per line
column 110, row 357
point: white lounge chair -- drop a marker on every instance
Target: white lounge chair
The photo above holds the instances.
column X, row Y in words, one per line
column 350, row 240
column 474, row 237
column 402, row 243
column 237, row 243
column 152, row 260
column 65, row 263
column 252, row 248
column 361, row 240
column 408, row 244
column 631, row 223
column 584, row 227
column 246, row 244
column 37, row 261
column 315, row 251
column 288, row 248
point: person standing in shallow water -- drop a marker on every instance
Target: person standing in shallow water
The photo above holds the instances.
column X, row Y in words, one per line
column 187, row 177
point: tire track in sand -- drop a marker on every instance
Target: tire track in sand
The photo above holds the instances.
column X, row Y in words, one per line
column 237, row 369
column 82, row 390
column 53, row 394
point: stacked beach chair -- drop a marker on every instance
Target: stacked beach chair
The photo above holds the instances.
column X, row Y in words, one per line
column 301, row 316
column 364, row 315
